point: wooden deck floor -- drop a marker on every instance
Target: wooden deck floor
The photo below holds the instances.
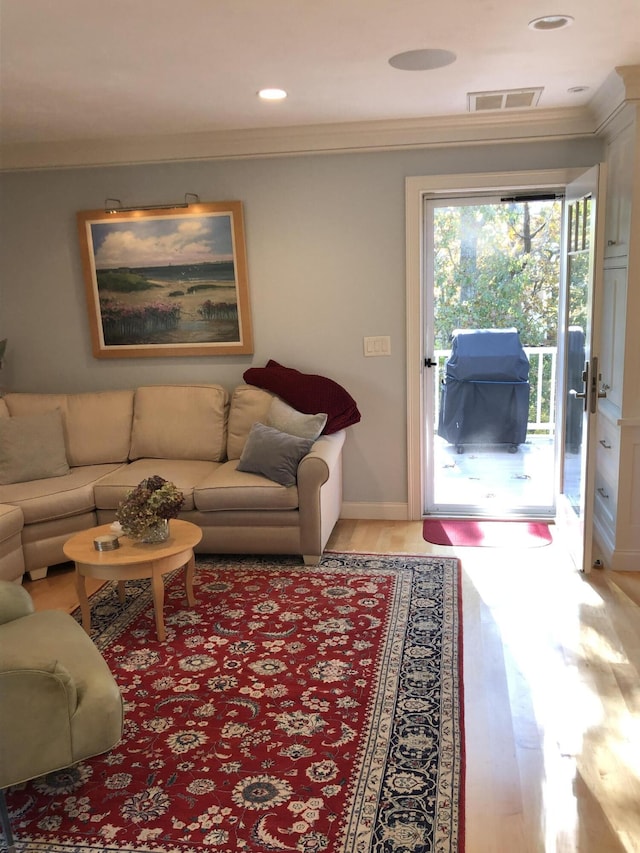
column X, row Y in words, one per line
column 490, row 480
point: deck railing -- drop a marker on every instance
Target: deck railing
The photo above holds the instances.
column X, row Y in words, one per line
column 542, row 394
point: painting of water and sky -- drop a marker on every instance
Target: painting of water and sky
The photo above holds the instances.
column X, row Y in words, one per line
column 167, row 282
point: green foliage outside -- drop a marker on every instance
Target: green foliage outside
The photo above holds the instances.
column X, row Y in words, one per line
column 498, row 266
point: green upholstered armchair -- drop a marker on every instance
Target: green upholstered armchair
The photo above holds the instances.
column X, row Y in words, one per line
column 59, row 702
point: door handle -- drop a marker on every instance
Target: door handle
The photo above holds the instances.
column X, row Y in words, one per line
column 430, row 362
column 590, row 392
column 582, row 395
column 595, row 392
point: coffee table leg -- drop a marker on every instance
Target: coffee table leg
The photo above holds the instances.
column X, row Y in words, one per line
column 157, row 589
column 81, row 589
column 189, row 573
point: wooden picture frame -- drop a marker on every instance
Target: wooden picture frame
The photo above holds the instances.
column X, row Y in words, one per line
column 167, row 282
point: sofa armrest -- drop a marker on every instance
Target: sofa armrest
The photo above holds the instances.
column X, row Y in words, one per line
column 33, row 676
column 320, row 494
column 60, row 703
column 38, row 700
column 15, row 602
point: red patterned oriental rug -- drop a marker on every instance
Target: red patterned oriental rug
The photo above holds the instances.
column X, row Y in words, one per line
column 294, row 708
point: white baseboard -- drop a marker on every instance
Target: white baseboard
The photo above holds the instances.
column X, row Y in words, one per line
column 376, row 511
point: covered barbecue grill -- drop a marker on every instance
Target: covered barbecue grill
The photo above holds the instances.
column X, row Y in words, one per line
column 485, row 393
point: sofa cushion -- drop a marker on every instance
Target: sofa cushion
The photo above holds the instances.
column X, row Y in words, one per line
column 113, row 488
column 226, row 488
column 32, row 448
column 97, row 425
column 284, row 417
column 23, row 403
column 273, row 454
column 248, row 405
column 56, row 497
column 180, row 422
column 307, row 392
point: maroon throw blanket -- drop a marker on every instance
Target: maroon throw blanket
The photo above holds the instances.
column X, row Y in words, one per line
column 308, row 393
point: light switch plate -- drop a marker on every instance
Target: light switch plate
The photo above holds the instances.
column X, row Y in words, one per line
column 377, row 345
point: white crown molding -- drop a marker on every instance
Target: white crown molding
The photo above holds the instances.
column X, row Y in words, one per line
column 467, row 129
column 621, row 87
column 630, row 75
column 608, row 99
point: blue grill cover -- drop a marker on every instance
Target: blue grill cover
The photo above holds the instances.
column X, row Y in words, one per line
column 485, row 395
column 489, row 355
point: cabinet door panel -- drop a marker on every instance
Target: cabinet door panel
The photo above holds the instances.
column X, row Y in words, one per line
column 614, row 302
column 608, row 450
column 619, row 187
column 606, row 498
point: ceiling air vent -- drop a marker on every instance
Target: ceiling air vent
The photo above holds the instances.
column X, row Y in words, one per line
column 505, row 99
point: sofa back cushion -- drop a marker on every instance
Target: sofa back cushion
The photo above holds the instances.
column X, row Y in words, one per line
column 97, row 425
column 32, row 448
column 180, row 422
column 248, row 405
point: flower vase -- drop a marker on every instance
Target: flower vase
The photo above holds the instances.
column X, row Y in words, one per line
column 158, row 532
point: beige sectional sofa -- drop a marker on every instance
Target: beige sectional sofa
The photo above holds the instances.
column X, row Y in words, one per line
column 193, row 435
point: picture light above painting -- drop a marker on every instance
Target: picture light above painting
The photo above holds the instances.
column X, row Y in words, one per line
column 167, row 281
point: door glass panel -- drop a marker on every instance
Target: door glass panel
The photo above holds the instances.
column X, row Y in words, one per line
column 493, row 325
column 578, row 276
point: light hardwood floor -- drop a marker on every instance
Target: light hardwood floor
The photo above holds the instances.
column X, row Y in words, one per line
column 551, row 688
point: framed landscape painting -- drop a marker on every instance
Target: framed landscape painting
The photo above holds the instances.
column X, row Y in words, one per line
column 167, row 282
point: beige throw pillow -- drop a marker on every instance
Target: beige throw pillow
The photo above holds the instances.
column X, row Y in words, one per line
column 32, row 448
column 284, row 417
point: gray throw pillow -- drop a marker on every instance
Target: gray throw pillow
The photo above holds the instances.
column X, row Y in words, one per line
column 273, row 454
column 284, row 417
column 32, row 448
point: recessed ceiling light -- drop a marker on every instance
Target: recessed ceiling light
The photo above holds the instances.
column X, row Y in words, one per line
column 551, row 22
column 422, row 60
column 272, row 94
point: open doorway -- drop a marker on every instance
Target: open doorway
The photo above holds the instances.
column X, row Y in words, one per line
column 580, row 301
column 492, row 291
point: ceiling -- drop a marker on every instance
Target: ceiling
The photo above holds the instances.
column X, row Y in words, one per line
column 77, row 72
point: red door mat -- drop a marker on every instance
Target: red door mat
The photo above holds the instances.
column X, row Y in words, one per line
column 488, row 534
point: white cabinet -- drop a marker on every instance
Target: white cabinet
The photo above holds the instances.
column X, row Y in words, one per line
column 612, row 335
column 616, row 509
column 620, row 151
column 606, row 482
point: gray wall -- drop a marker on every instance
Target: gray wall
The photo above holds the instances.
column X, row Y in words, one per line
column 326, row 259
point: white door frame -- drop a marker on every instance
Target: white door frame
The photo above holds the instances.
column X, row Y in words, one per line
column 416, row 189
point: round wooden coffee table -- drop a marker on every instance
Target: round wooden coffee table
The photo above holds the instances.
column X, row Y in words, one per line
column 132, row 561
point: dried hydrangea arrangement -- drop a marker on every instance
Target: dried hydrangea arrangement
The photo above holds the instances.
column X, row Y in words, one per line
column 151, row 502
